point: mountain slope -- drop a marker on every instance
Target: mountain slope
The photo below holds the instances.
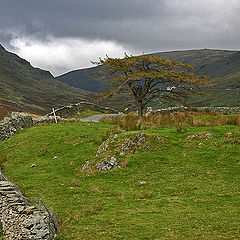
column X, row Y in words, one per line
column 23, row 87
column 80, row 79
column 221, row 66
column 85, row 78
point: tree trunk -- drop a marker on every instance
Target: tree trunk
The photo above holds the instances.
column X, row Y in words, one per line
column 140, row 108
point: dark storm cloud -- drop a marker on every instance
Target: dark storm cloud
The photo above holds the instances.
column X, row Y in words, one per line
column 142, row 25
column 89, row 19
column 146, row 24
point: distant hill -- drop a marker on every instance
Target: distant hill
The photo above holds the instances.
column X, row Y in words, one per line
column 25, row 88
column 222, row 67
column 86, row 79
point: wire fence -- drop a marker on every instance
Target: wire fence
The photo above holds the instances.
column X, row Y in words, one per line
column 32, row 201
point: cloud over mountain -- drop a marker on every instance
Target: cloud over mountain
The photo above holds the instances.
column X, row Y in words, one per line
column 128, row 25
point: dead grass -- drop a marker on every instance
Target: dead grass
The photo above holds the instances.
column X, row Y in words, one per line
column 3, row 113
column 144, row 195
column 121, row 197
column 180, row 120
column 95, row 189
column 125, row 163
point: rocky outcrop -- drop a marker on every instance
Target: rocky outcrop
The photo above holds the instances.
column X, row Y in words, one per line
column 107, row 163
column 73, row 109
column 21, row 220
column 116, row 146
column 133, row 144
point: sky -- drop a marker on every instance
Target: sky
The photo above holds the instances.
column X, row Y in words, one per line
column 63, row 35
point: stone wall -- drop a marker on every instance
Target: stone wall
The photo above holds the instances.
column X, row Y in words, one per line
column 223, row 110
column 17, row 121
column 73, row 109
column 13, row 123
column 19, row 219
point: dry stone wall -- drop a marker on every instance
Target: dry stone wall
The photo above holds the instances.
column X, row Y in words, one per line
column 73, row 109
column 223, row 110
column 17, row 121
column 21, row 220
column 13, row 123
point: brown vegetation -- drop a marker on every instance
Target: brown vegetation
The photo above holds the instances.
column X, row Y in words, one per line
column 180, row 120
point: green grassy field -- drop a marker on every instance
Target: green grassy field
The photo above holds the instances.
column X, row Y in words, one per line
column 183, row 188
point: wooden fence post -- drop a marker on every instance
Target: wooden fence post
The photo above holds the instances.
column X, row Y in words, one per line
column 54, row 114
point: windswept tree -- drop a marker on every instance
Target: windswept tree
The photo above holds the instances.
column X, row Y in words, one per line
column 149, row 77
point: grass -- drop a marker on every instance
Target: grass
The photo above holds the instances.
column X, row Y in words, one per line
column 184, row 188
column 1, row 236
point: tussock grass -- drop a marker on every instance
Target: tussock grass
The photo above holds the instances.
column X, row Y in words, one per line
column 180, row 120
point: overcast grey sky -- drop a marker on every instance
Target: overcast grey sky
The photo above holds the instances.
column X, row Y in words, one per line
column 62, row 35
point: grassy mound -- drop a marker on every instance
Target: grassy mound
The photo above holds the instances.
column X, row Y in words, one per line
column 185, row 187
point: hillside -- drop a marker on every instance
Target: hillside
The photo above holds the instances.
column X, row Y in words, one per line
column 86, row 79
column 222, row 67
column 25, row 88
column 181, row 188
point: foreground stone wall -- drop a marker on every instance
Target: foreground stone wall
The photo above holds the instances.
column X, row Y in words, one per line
column 73, row 109
column 223, row 110
column 19, row 219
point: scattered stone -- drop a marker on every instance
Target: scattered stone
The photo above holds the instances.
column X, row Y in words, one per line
column 202, row 135
column 229, row 134
column 76, row 144
column 85, row 166
column 107, row 164
column 115, row 136
column 103, row 147
column 55, row 157
column 134, row 144
column 33, row 165
column 143, row 182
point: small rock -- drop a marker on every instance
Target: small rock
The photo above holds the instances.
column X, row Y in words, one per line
column 143, row 182
column 55, row 157
column 76, row 144
column 33, row 165
column 85, row 166
column 115, row 136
